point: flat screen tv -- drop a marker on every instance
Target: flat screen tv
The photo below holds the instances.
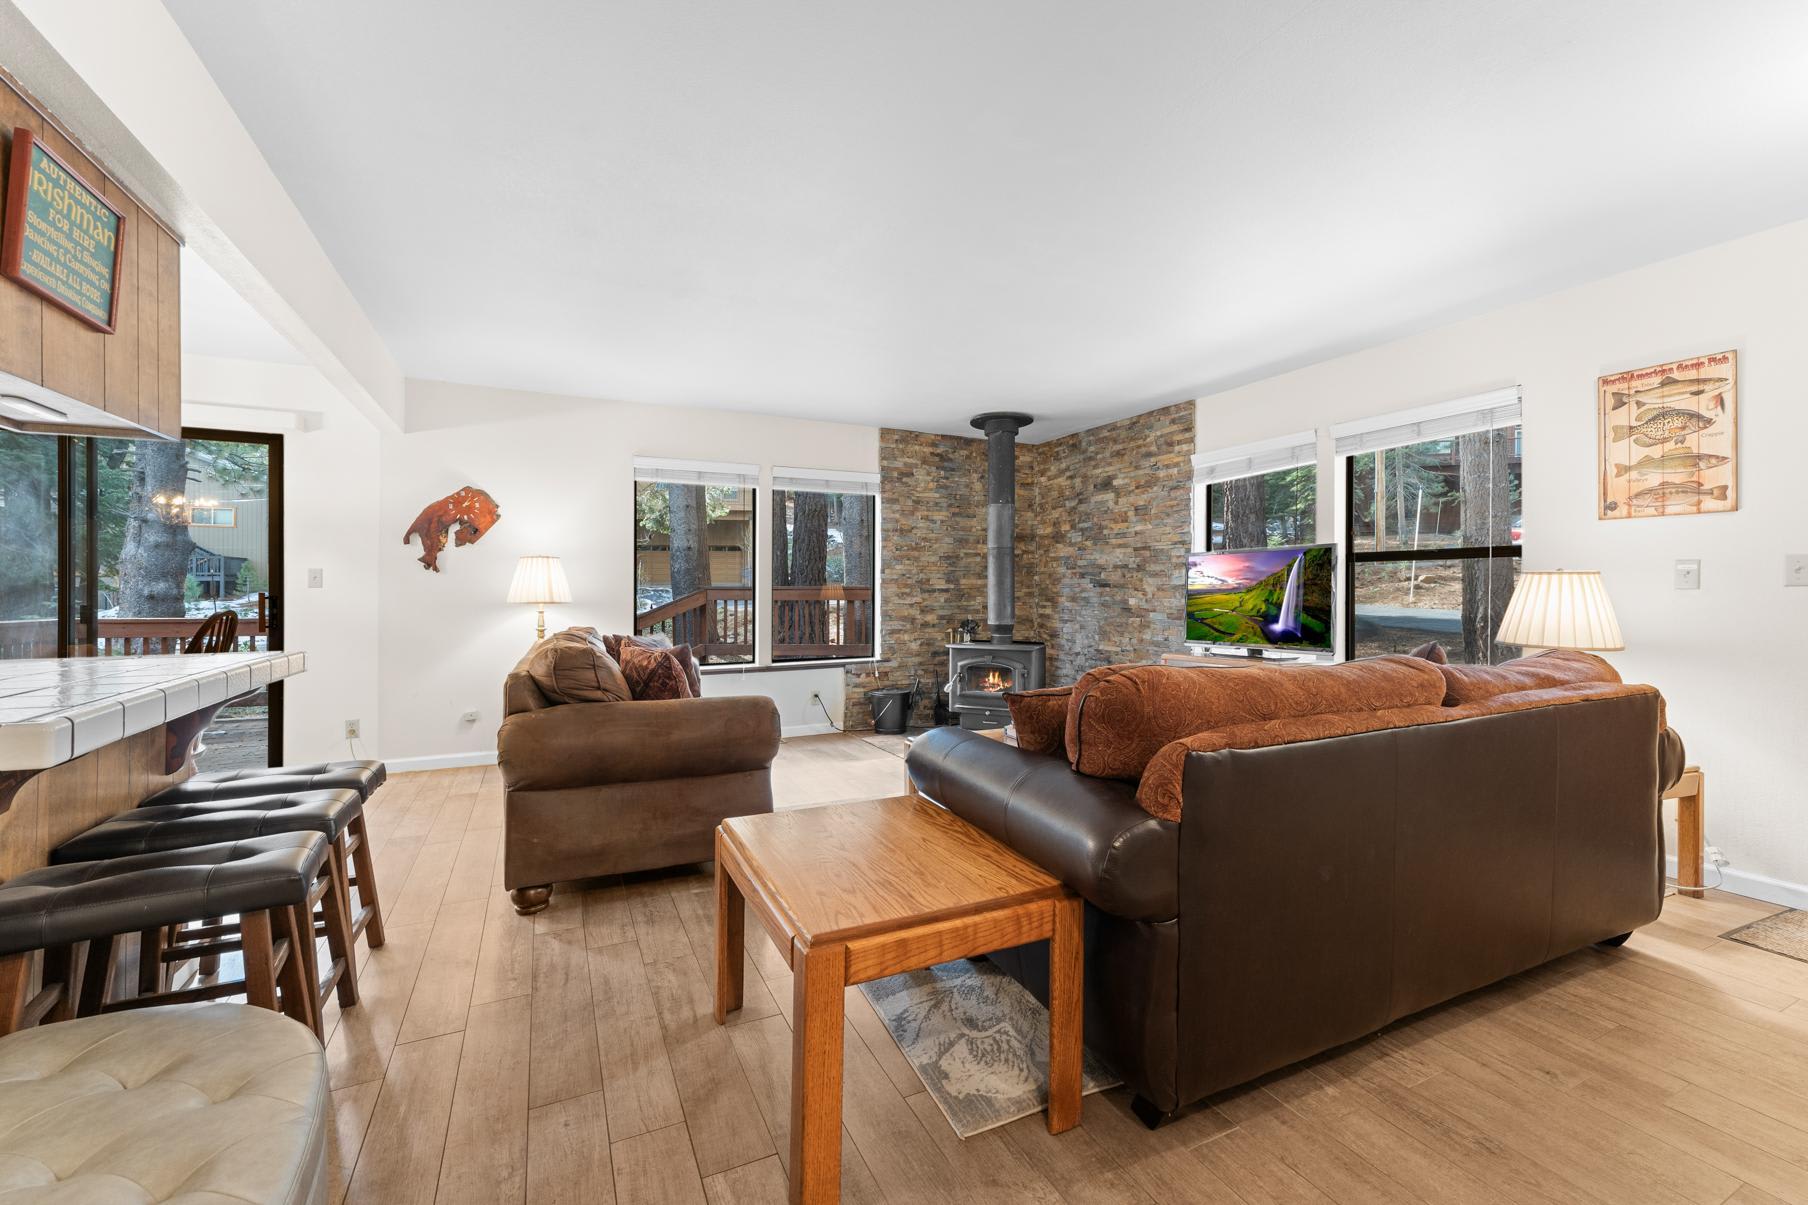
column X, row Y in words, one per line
column 1277, row 598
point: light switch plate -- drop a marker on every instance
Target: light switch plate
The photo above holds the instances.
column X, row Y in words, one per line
column 1795, row 569
column 316, row 578
column 1688, row 575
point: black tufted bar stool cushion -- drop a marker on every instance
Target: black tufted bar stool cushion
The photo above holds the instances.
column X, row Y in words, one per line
column 61, row 905
column 360, row 776
column 180, row 825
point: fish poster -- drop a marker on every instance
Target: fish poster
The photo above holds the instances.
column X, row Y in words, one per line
column 1670, row 439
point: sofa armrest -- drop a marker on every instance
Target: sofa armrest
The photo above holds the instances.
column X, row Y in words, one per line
column 1087, row 832
column 1672, row 759
column 592, row 744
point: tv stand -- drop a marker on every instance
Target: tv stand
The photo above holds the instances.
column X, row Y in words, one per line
column 1265, row 656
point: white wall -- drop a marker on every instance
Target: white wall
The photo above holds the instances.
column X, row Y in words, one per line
column 561, row 472
column 330, row 499
column 1730, row 657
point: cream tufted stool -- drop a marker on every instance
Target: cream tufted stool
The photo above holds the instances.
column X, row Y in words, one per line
column 196, row 1104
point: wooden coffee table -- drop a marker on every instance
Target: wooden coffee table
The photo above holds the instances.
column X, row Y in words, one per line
column 858, row 891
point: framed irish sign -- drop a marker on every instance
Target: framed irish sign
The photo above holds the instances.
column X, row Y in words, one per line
column 62, row 239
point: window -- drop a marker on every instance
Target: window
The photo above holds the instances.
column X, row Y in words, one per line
column 824, row 531
column 1262, row 495
column 213, row 516
column 1433, row 528
column 693, row 555
column 30, row 488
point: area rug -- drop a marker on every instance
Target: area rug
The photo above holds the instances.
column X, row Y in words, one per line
column 1785, row 933
column 977, row 1039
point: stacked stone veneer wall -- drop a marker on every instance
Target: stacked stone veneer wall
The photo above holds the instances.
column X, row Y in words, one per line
column 1103, row 525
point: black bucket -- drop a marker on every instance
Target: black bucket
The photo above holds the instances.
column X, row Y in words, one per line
column 891, row 708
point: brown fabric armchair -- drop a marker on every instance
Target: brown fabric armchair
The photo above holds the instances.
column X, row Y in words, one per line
column 602, row 788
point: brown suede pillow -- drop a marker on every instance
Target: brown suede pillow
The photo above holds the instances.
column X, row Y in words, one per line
column 1041, row 718
column 688, row 659
column 654, row 673
column 1122, row 715
column 1553, row 667
column 569, row 669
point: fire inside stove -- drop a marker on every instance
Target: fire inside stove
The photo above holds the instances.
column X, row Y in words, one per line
column 989, row 680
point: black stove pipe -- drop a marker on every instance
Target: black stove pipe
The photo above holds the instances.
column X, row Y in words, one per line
column 1001, row 520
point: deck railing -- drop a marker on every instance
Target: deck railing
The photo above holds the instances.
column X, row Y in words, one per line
column 124, row 637
column 807, row 622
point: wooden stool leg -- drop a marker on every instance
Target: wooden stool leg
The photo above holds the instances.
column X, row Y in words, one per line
column 1066, row 977
column 63, row 964
column 15, row 991
column 259, row 952
column 150, row 962
column 96, row 974
column 364, row 865
column 731, row 939
column 340, row 944
column 818, row 985
column 209, row 964
column 300, row 977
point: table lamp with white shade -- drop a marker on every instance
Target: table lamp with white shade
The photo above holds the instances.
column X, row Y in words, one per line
column 1561, row 609
column 539, row 580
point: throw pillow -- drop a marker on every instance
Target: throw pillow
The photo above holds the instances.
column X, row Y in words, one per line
column 1553, row 667
column 568, row 669
column 1430, row 651
column 614, row 642
column 687, row 658
column 1040, row 717
column 654, row 673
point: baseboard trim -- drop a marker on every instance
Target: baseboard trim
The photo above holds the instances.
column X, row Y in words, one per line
column 1754, row 886
column 443, row 761
column 791, row 730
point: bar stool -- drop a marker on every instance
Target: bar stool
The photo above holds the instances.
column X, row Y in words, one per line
column 363, row 777
column 75, row 913
column 183, row 825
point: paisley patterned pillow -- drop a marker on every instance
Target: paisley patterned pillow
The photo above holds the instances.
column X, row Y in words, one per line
column 653, row 673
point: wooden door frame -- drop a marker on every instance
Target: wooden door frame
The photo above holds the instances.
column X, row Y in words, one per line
column 274, row 641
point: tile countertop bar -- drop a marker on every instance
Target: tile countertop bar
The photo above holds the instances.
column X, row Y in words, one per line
column 55, row 709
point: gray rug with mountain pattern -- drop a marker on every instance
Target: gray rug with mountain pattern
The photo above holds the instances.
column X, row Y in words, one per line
column 977, row 1039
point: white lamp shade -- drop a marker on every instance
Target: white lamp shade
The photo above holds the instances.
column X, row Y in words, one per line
column 539, row 579
column 1561, row 609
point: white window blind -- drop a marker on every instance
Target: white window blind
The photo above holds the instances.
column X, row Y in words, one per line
column 696, row 472
column 826, row 481
column 1460, row 416
column 1247, row 460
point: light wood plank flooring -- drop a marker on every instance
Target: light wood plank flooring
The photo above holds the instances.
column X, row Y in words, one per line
column 571, row 1057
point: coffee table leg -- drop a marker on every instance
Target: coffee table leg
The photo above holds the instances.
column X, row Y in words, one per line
column 730, row 939
column 818, row 980
column 1066, row 977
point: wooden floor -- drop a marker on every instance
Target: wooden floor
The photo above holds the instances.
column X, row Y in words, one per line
column 571, row 1058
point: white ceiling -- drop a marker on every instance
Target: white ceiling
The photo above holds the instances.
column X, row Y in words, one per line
column 903, row 213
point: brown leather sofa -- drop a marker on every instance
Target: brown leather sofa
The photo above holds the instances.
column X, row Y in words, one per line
column 1325, row 873
column 604, row 788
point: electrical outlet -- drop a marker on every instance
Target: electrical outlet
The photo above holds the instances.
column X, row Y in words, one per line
column 1715, row 857
column 316, row 578
column 351, row 730
column 1795, row 569
column 469, row 717
column 1688, row 575
column 816, row 698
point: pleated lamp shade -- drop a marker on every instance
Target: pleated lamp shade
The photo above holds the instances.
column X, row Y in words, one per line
column 1561, row 609
column 539, row 579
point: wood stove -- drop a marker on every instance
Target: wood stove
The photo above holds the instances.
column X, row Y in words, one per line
column 982, row 672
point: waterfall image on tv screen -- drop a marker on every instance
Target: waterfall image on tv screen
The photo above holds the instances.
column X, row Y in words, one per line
column 1278, row 597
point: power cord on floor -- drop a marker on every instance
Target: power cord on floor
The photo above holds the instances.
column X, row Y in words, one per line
column 833, row 727
column 1707, row 843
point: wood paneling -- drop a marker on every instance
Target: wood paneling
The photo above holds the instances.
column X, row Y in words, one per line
column 75, row 796
column 134, row 373
column 122, row 344
column 21, row 311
